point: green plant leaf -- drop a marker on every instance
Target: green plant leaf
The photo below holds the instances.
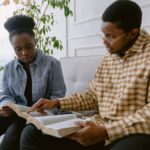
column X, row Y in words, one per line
column 40, row 12
column 1, row 68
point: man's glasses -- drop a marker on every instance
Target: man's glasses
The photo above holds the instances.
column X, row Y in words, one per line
column 110, row 39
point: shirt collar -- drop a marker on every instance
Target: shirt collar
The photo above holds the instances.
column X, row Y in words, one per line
column 139, row 44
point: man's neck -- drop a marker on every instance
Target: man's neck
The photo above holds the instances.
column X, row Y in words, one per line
column 122, row 52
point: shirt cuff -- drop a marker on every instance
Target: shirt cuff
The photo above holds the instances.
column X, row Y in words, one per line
column 115, row 131
column 3, row 103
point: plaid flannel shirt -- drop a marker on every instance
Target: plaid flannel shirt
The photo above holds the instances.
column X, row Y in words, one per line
column 120, row 91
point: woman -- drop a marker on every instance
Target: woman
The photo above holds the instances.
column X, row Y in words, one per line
column 29, row 77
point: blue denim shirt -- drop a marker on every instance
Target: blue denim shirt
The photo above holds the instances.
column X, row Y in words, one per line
column 47, row 80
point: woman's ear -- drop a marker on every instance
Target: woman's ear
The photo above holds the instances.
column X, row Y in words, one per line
column 35, row 41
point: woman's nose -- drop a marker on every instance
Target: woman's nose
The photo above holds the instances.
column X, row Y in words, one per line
column 25, row 52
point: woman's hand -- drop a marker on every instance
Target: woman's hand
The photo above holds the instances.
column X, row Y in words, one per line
column 43, row 104
column 6, row 112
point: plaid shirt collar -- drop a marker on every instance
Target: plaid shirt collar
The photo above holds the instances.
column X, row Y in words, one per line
column 138, row 46
column 140, row 42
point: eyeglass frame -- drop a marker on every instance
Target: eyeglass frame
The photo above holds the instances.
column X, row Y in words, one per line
column 110, row 39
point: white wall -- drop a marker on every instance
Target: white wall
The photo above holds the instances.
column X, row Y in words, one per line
column 83, row 26
column 6, row 51
column 60, row 31
column 145, row 5
column 77, row 32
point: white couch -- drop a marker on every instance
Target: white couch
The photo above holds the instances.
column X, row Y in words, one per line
column 78, row 72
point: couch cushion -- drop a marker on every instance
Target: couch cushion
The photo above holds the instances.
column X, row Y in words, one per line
column 79, row 71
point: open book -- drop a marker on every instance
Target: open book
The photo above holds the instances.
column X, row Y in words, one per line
column 55, row 125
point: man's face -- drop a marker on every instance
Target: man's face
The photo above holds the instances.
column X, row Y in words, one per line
column 24, row 47
column 114, row 38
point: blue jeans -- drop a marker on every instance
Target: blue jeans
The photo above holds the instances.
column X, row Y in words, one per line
column 12, row 127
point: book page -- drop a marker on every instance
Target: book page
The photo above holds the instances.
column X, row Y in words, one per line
column 63, row 128
column 38, row 114
column 21, row 108
column 17, row 108
column 21, row 111
column 45, row 120
column 64, row 124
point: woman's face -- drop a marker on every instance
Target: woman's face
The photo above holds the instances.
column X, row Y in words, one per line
column 24, row 47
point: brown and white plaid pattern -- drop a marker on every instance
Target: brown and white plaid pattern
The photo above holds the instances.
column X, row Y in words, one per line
column 120, row 91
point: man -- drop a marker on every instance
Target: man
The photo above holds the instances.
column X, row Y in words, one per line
column 120, row 91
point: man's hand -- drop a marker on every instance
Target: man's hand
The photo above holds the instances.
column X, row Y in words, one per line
column 43, row 104
column 6, row 112
column 89, row 134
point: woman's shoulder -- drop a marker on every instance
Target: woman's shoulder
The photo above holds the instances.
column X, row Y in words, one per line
column 11, row 63
column 51, row 59
column 45, row 57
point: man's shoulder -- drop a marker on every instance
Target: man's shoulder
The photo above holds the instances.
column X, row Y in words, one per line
column 109, row 57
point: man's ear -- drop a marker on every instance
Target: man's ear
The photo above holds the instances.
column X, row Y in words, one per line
column 134, row 32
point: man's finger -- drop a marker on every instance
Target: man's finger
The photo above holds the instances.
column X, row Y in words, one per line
column 82, row 123
column 34, row 107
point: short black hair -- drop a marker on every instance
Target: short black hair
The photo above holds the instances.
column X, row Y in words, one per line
column 19, row 24
column 125, row 14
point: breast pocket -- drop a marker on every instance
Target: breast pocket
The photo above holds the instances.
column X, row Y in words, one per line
column 16, row 86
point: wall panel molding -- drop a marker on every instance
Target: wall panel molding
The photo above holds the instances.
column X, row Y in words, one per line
column 77, row 22
column 146, row 25
column 84, row 49
column 145, row 4
column 81, row 37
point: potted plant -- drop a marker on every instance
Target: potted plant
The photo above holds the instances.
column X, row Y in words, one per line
column 39, row 10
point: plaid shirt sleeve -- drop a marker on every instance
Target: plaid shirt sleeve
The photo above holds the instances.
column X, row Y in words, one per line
column 137, row 123
column 81, row 101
